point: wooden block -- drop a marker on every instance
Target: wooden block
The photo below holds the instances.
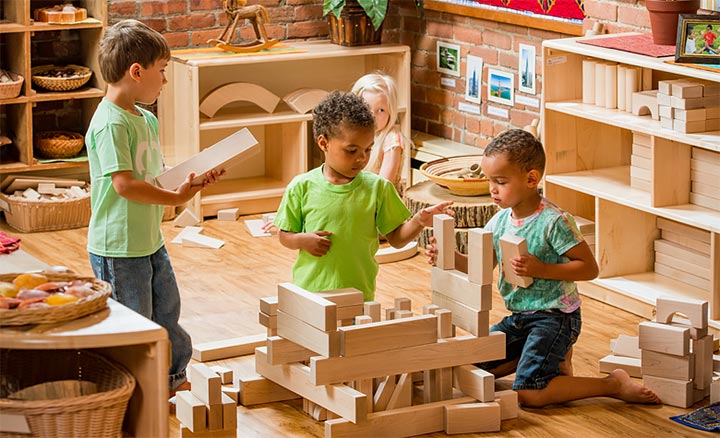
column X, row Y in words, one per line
column 362, row 319
column 444, row 323
column 390, row 254
column 668, row 366
column 202, row 241
column 671, row 392
column 268, row 305
column 588, row 90
column 256, row 390
column 642, row 139
column 473, row 321
column 686, row 89
column 664, row 338
column 705, row 166
column 513, row 246
column 715, row 392
column 267, row 320
column 238, row 91
column 399, row 314
column 205, row 384
column 640, row 162
column 643, row 174
column 686, row 230
column 640, row 184
column 186, row 231
column 666, row 123
column 372, row 309
column 349, row 313
column 402, row 395
column 388, row 335
column 343, row 297
column 627, row 346
column 228, row 214
column 680, row 252
column 307, row 307
column 215, row 416
column 190, row 411
column 686, row 242
column 403, row 303
column 641, row 151
column 712, row 112
column 226, row 348
column 666, row 112
column 681, row 276
column 226, row 374
column 474, row 382
column 445, row 353
column 695, row 333
column 187, row 433
column 689, row 127
column 611, row 86
column 687, row 104
column 326, row 343
column 705, row 201
column 644, row 103
column 695, row 310
column 703, row 351
column 444, row 232
column 232, row 392
column 630, row 364
column 186, row 218
column 704, row 189
column 665, row 87
column 341, row 399
column 430, row 309
column 689, row 115
column 481, row 257
column 303, row 100
column 224, row 154
column 621, row 87
column 508, row 401
column 600, row 84
column 472, row 418
column 457, row 286
column 385, row 390
column 706, row 155
column 255, row 228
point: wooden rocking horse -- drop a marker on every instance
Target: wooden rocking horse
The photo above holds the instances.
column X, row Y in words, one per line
column 257, row 14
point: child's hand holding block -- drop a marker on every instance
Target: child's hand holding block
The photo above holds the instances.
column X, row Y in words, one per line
column 513, row 246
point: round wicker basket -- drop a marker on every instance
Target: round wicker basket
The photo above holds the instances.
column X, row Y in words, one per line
column 52, row 314
column 58, row 144
column 10, row 90
column 444, row 172
column 42, row 77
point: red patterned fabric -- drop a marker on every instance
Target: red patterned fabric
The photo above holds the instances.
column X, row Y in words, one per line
column 8, row 243
column 569, row 9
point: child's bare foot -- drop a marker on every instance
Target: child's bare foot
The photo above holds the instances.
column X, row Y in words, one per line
column 630, row 391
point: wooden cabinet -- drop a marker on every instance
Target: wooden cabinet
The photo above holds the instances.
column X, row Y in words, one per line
column 284, row 135
column 589, row 161
column 25, row 44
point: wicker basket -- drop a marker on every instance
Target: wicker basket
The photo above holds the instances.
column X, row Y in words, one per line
column 28, row 216
column 66, row 312
column 444, row 172
column 58, row 144
column 95, row 415
column 10, row 90
column 41, row 79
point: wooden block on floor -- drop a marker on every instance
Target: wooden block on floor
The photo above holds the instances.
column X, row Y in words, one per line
column 388, row 335
column 216, row 350
column 372, row 309
column 668, row 366
column 695, row 310
column 307, row 307
column 205, row 384
column 664, row 338
column 457, row 286
column 509, row 405
column 473, row 321
column 202, row 241
column 472, row 418
column 513, row 246
column 256, row 390
column 474, row 382
column 228, row 214
column 627, row 346
column 480, row 257
column 190, row 411
column 186, row 218
column 672, row 392
column 325, row 343
column 630, row 364
column 703, row 351
column 226, row 374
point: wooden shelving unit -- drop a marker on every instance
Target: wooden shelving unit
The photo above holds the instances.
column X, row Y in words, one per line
column 588, row 173
column 21, row 40
column 284, row 135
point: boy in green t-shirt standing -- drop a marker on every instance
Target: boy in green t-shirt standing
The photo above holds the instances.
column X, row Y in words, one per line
column 333, row 213
column 124, row 240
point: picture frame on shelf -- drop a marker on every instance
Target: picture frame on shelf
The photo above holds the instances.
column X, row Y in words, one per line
column 473, row 79
column 448, row 58
column 501, row 87
column 698, row 39
column 526, row 69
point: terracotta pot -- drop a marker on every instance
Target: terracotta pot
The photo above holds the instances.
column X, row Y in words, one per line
column 664, row 18
column 354, row 27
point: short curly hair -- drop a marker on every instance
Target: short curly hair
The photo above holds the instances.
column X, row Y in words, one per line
column 521, row 148
column 341, row 109
column 128, row 42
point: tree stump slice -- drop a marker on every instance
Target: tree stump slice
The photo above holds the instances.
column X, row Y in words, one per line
column 470, row 211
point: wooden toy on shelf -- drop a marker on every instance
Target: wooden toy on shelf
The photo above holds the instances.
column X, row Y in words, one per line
column 258, row 16
column 235, row 92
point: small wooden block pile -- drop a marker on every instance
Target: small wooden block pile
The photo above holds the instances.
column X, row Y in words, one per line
column 705, row 178
column 689, row 105
column 683, row 253
column 206, row 407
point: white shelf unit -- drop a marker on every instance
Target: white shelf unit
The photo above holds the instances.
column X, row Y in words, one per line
column 588, row 173
column 285, row 136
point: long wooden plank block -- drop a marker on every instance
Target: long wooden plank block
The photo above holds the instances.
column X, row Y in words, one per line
column 343, row 297
column 681, row 252
column 340, row 399
column 388, row 335
column 444, row 232
column 474, row 321
column 410, row 421
column 686, row 230
column 456, row 285
column 281, row 351
column 480, row 257
column 474, row 382
column 445, row 353
column 256, row 390
column 307, row 307
column 217, row 350
column 312, row 338
column 349, row 312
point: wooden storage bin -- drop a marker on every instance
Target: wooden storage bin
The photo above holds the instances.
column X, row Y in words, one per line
column 30, row 216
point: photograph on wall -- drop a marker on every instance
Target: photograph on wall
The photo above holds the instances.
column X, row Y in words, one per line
column 473, row 79
column 501, row 87
column 526, row 69
column 698, row 39
column 448, row 58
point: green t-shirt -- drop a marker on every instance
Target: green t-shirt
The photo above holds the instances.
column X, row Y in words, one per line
column 353, row 213
column 550, row 232
column 118, row 141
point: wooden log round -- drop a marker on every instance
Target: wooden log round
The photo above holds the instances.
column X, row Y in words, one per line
column 470, row 211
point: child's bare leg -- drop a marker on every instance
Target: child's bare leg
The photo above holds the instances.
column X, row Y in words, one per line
column 566, row 367
column 563, row 389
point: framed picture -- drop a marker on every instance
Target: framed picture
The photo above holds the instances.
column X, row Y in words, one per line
column 526, row 69
column 448, row 58
column 501, row 87
column 698, row 39
column 473, row 79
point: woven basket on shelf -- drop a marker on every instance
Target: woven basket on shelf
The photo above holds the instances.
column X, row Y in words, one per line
column 27, row 216
column 58, row 144
column 41, row 79
column 94, row 415
column 444, row 172
column 66, row 312
column 10, row 90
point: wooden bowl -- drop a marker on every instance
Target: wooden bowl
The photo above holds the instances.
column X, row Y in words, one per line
column 444, row 172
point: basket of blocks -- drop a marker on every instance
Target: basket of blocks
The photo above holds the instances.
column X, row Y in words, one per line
column 10, row 84
column 60, row 78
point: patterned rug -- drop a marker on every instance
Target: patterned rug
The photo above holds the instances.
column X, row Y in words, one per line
column 641, row 44
column 706, row 418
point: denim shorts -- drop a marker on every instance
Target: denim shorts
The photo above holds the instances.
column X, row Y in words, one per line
column 540, row 341
column 147, row 285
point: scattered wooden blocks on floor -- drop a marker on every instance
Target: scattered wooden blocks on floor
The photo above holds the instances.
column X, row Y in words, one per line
column 186, row 218
column 202, row 241
column 254, row 227
column 229, row 214
column 216, row 350
column 186, row 232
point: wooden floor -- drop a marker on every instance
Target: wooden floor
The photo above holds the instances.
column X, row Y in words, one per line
column 220, row 291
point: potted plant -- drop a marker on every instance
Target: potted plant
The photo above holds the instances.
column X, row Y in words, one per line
column 664, row 18
column 358, row 22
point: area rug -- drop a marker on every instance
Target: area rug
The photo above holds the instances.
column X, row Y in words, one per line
column 706, row 418
column 214, row 52
column 641, row 44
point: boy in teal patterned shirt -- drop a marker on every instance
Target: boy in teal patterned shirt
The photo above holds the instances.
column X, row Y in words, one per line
column 545, row 320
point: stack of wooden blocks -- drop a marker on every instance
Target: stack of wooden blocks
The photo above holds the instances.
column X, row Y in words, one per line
column 641, row 162
column 611, row 85
column 344, row 340
column 705, row 178
column 683, row 253
column 689, row 105
column 587, row 229
column 625, row 355
column 206, row 407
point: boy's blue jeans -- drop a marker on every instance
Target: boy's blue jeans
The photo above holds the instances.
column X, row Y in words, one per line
column 147, row 285
column 540, row 341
